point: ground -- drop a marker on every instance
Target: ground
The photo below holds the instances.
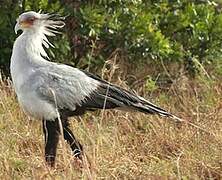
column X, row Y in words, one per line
column 122, row 145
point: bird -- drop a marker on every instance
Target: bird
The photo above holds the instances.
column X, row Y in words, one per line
column 51, row 91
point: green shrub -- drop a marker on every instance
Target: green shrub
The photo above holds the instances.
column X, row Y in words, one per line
column 183, row 32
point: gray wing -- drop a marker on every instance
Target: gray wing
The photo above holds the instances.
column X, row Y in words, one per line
column 75, row 89
column 68, row 85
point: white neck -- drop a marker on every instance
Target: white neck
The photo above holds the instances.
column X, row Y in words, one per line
column 31, row 43
column 27, row 55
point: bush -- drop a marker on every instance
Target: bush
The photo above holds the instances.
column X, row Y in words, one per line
column 144, row 30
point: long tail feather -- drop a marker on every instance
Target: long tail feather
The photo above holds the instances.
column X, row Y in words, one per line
column 110, row 96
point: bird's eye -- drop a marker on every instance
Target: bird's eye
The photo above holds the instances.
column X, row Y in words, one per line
column 31, row 19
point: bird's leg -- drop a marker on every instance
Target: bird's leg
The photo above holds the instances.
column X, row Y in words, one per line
column 51, row 133
column 73, row 142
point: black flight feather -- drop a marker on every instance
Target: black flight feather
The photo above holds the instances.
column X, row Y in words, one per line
column 110, row 96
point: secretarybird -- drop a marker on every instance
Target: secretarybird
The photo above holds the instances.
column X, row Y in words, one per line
column 48, row 90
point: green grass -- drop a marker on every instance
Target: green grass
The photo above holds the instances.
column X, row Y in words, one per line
column 122, row 145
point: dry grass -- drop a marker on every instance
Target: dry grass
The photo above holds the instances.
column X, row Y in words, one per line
column 122, row 145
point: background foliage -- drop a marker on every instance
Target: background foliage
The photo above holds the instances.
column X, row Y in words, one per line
column 183, row 32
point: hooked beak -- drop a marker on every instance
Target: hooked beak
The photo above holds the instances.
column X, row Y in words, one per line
column 20, row 25
column 17, row 27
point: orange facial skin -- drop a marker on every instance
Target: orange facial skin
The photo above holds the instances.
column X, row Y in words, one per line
column 27, row 22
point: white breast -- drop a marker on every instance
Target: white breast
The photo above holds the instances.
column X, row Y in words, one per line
column 36, row 107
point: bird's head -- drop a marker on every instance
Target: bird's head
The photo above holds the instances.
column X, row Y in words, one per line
column 33, row 21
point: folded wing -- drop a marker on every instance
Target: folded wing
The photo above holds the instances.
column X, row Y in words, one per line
column 75, row 89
